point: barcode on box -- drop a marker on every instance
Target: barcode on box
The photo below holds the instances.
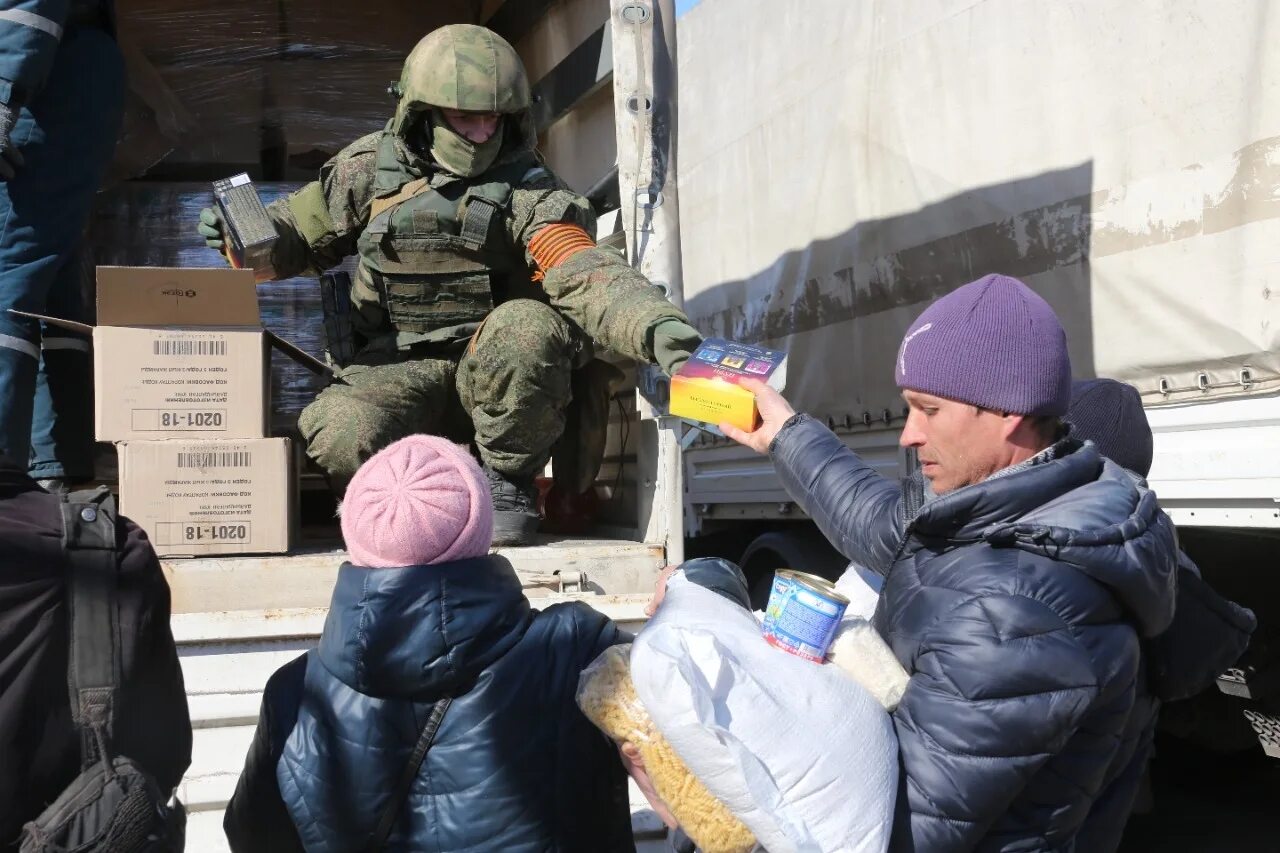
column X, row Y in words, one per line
column 215, row 459
column 189, row 347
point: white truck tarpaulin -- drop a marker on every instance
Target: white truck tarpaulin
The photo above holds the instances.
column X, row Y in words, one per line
column 843, row 164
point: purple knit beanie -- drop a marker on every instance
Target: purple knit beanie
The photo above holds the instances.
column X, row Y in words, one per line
column 1110, row 414
column 992, row 343
column 420, row 501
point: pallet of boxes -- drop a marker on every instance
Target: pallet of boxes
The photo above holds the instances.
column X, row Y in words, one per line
column 181, row 386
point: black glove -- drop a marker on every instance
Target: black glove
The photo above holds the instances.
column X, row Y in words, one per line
column 10, row 157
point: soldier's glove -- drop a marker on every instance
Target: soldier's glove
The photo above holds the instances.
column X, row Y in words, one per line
column 673, row 341
column 210, row 229
column 10, row 157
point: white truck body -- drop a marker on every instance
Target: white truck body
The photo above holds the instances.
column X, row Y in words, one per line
column 843, row 164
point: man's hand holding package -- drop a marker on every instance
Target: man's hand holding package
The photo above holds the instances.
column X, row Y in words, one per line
column 659, row 590
column 774, row 412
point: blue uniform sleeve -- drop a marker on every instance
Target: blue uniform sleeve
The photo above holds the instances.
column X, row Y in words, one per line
column 30, row 31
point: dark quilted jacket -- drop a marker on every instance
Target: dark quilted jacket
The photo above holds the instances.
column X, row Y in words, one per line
column 515, row 765
column 1019, row 606
column 39, row 745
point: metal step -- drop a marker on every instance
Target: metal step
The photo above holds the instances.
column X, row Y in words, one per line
column 1267, row 728
column 1249, row 683
column 217, row 757
column 305, row 579
column 212, row 630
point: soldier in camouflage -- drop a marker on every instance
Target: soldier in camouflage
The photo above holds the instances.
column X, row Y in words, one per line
column 479, row 288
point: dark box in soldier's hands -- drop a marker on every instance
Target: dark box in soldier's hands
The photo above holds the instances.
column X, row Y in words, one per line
column 250, row 233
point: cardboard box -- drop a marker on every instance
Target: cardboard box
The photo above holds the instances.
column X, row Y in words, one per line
column 179, row 383
column 706, row 389
column 206, row 378
column 180, row 353
column 210, row 497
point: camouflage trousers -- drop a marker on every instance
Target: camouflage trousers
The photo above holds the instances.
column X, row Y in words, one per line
column 508, row 392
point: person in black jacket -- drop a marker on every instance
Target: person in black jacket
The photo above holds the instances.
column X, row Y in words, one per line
column 1023, row 573
column 421, row 614
column 39, row 746
column 1209, row 633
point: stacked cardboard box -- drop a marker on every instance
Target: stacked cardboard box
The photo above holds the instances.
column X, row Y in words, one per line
column 181, row 386
column 152, row 224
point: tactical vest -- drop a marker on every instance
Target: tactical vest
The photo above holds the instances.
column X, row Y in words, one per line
column 438, row 256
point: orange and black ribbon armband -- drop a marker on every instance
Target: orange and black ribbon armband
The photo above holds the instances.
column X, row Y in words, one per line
column 555, row 244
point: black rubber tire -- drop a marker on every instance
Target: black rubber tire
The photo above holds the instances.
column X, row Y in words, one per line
column 803, row 549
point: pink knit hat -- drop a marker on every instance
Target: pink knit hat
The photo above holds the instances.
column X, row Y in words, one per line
column 421, row 500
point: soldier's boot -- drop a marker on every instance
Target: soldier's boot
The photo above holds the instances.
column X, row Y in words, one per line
column 515, row 508
column 54, row 485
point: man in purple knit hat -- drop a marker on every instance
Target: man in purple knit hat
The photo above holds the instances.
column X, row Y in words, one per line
column 1023, row 572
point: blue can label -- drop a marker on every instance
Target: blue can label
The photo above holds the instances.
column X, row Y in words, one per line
column 801, row 619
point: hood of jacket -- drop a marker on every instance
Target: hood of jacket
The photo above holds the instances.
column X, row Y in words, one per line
column 423, row 631
column 1079, row 509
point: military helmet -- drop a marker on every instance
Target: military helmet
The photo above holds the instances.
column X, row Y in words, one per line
column 462, row 67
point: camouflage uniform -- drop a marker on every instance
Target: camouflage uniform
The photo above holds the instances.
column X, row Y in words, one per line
column 464, row 341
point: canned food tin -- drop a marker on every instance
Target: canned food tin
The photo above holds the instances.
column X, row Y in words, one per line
column 803, row 614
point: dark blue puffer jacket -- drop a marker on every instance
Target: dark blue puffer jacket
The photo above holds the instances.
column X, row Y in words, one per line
column 515, row 765
column 1019, row 606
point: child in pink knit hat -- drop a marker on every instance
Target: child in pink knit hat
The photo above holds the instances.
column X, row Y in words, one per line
column 420, row 501
column 425, row 625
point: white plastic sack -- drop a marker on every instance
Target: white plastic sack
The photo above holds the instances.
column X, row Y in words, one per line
column 862, row 588
column 798, row 751
column 858, row 648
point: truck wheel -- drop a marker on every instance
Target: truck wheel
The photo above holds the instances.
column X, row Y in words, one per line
column 804, row 549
